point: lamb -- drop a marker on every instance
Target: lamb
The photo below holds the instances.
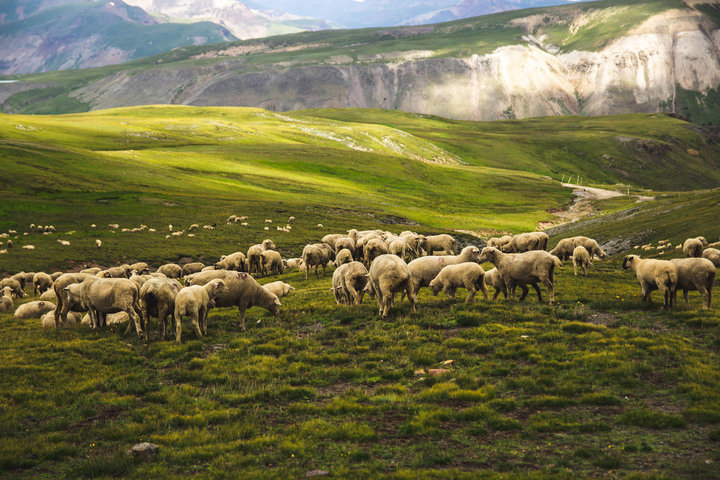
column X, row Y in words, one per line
column 654, row 275
column 521, row 269
column 712, row 254
column 14, row 286
column 170, row 270
column 590, row 245
column 279, row 289
column 194, row 301
column 235, row 261
column 190, row 268
column 292, row 263
column 581, row 257
column 388, row 275
column 271, row 263
column 444, row 243
column 499, row 243
column 48, row 320
column 344, row 256
column 64, row 303
column 564, row 249
column 107, row 295
column 6, row 302
column 314, row 256
column 349, row 282
column 425, row 269
column 49, row 296
column 494, row 279
column 693, row 247
column 243, row 291
column 469, row 275
column 254, row 259
column 34, row 309
column 41, row 283
column 695, row 274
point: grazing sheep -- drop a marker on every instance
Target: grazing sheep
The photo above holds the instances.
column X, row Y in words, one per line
column 411, row 242
column 399, row 247
column 349, row 282
column 64, row 303
column 331, row 238
column 499, row 243
column 343, row 256
column 9, row 244
column 22, row 279
column 345, row 242
column 254, row 259
column 653, row 274
column 444, row 243
column 107, row 295
column 91, row 270
column 209, row 227
column 564, row 249
column 590, row 245
column 243, row 291
column 49, row 296
column 114, row 272
column 581, row 257
column 425, row 269
column 523, row 242
column 48, row 319
column 388, row 275
column 494, row 279
column 6, row 302
column 292, row 263
column 712, row 254
column 314, row 256
column 190, row 268
column 55, row 275
column 521, row 269
column 235, row 261
column 139, row 280
column 291, row 220
column 34, row 309
column 98, row 244
column 373, row 248
column 469, row 275
column 41, row 283
column 695, row 274
column 194, row 301
column 279, row 289
column 193, row 227
column 141, row 268
column 267, row 220
column 170, row 270
column 271, row 263
column 14, row 286
column 693, row 247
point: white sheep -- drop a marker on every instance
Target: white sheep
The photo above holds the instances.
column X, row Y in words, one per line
column 712, row 254
column 14, row 285
column 388, row 275
column 41, row 283
column 315, row 256
column 349, row 282
column 444, row 243
column 469, row 275
column 271, row 263
column 98, row 243
column 27, row 247
column 48, row 319
column 107, row 295
column 425, row 269
column 343, row 256
column 693, row 247
column 194, row 301
column 6, row 302
column 654, row 274
column 193, row 227
column 522, row 269
column 494, row 279
column 695, row 274
column 34, row 309
column 279, row 289
column 581, row 257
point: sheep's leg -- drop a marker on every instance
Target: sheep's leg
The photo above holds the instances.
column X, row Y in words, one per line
column 575, row 267
column 178, row 327
column 324, row 266
column 685, row 295
column 449, row 291
column 471, row 294
column 203, row 319
column 551, row 290
column 134, row 317
column 316, row 271
column 242, row 318
column 497, row 294
column 539, row 293
column 195, row 319
column 525, row 290
column 411, row 297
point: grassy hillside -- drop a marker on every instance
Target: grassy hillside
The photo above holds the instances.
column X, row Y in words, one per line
column 179, row 165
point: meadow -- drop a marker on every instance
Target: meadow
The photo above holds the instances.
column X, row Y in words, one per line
column 597, row 386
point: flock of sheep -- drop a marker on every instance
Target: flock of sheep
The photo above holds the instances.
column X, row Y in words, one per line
column 374, row 262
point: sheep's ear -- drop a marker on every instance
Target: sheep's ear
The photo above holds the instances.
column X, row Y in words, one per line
column 277, row 301
column 292, row 288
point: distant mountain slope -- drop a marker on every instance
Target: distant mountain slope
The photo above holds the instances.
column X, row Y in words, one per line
column 61, row 34
column 599, row 58
column 236, row 16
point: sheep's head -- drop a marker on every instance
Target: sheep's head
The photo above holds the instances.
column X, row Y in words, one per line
column 274, row 306
column 472, row 253
column 629, row 261
column 435, row 286
column 219, row 286
column 703, row 241
column 488, row 254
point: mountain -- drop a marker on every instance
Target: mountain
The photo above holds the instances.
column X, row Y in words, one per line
column 598, row 58
column 243, row 21
column 61, row 34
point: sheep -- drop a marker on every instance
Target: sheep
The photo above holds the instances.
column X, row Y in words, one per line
column 113, row 272
column 41, row 283
column 48, row 319
column 500, row 242
column 193, row 227
column 231, row 219
column 292, row 263
column 521, row 269
column 64, row 303
column 349, row 282
column 590, row 245
column 279, row 289
column 399, row 247
column 208, row 227
column 271, row 263
column 98, row 244
column 523, row 242
column 331, row 238
column 107, row 295
column 9, row 244
column 444, row 243
column 469, row 275
column 55, row 275
column 170, row 270
column 6, row 302
column 343, row 256
column 235, row 261
column 291, row 220
column 345, row 242
column 170, row 228
column 139, row 281
column 34, row 309
column 14, row 286
column 254, row 259
column 22, row 279
column 494, row 279
column 194, row 301
column 654, row 275
column 693, row 247
column 243, row 291
column 712, row 254
column 695, row 274
column 425, row 269
column 542, row 239
column 267, row 220
column 268, row 244
column 190, row 268
column 411, row 242
column 314, row 256
column 373, row 248
column 49, row 296
column 141, row 268
column 564, row 249
column 388, row 275
column 581, row 257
